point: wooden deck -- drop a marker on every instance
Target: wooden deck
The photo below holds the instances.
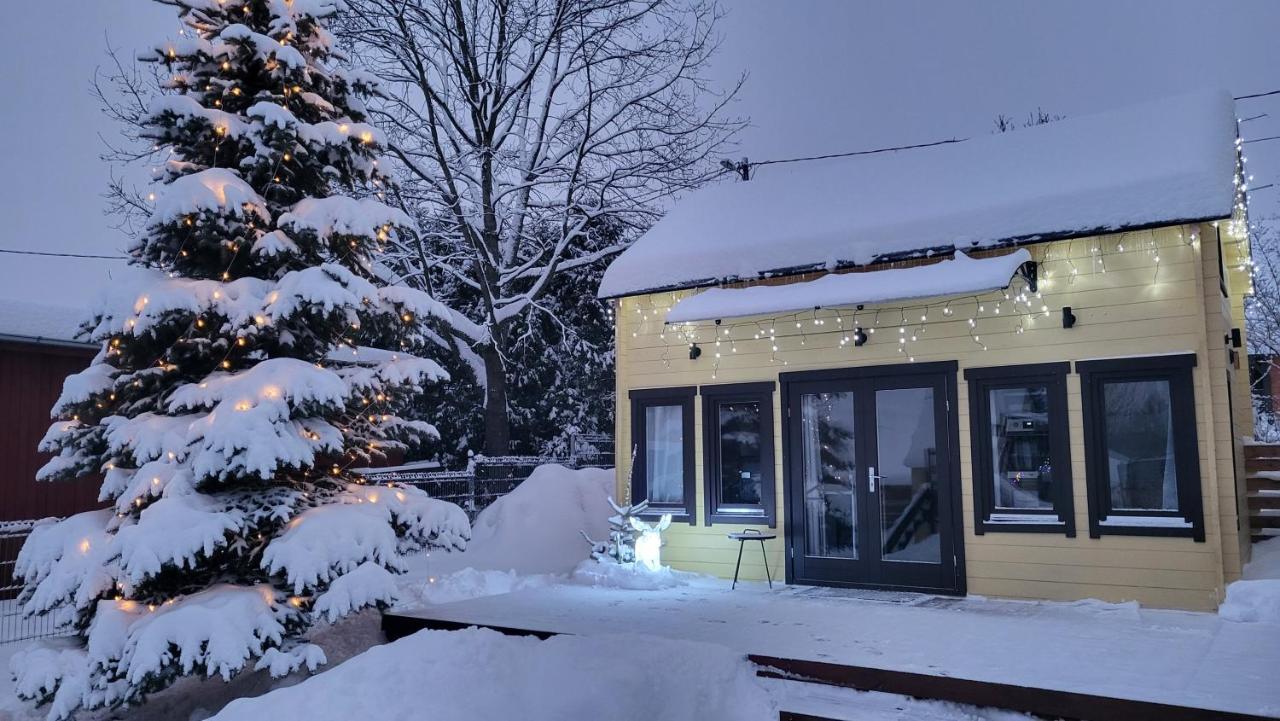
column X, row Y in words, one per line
column 1042, row 702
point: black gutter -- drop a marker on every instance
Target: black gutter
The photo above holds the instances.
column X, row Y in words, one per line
column 916, row 254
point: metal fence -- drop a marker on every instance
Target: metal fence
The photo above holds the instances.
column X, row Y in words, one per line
column 13, row 625
column 489, row 478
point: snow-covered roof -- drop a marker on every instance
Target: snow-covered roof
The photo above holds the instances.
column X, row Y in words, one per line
column 46, row 298
column 1160, row 163
column 956, row 276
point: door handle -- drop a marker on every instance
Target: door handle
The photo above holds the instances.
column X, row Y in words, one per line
column 872, row 478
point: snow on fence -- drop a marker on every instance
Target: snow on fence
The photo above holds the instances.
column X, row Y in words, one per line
column 13, row 625
column 491, row 477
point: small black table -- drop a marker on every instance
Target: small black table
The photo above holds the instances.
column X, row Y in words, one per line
column 742, row 537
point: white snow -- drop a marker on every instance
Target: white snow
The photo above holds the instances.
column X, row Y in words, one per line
column 217, row 190
column 1120, row 650
column 344, row 215
column 956, row 276
column 31, row 306
column 1145, row 522
column 1162, row 162
column 632, row 576
column 535, row 529
column 481, row 674
column 1256, row 596
column 175, row 530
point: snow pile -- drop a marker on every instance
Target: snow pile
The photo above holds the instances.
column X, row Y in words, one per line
column 535, row 529
column 1256, row 596
column 632, row 576
column 948, row 277
column 481, row 674
column 1164, row 162
column 471, row 583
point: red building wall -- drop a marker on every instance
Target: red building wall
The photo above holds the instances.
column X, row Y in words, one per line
column 30, row 381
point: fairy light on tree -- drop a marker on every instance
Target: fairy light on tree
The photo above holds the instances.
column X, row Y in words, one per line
column 221, row 414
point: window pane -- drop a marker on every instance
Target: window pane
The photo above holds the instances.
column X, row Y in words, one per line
column 908, row 455
column 1022, row 475
column 1139, row 438
column 740, row 467
column 664, row 453
column 828, row 463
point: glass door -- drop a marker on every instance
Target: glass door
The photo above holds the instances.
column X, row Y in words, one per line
column 826, row 494
column 871, row 486
column 910, row 479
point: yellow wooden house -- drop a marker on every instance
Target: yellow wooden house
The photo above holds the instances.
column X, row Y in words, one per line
column 1009, row 366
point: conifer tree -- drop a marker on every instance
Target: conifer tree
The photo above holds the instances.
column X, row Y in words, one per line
column 237, row 388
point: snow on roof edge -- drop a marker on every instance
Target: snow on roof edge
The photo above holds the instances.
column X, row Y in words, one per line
column 936, row 252
column 961, row 275
column 1159, row 164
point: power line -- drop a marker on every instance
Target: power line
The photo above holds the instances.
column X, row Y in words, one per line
column 1257, row 95
column 858, row 152
column 1259, row 140
column 62, row 255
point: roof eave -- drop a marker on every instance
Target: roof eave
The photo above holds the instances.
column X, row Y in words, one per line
column 1013, row 242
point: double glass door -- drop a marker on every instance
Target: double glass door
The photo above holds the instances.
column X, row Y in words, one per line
column 871, row 486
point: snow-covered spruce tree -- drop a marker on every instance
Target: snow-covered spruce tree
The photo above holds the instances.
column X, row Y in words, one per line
column 235, row 390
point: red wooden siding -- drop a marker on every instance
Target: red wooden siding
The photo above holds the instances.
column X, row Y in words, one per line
column 30, row 380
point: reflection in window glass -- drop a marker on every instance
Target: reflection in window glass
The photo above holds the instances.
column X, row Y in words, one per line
column 1139, row 445
column 740, row 466
column 908, row 455
column 827, row 447
column 664, row 453
column 1022, row 475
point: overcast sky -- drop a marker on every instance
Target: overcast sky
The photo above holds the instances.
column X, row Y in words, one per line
column 824, row 76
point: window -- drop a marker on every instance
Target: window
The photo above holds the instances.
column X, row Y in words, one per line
column 662, row 434
column 1142, row 457
column 1021, row 449
column 737, row 421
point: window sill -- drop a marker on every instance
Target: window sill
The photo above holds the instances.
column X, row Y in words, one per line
column 1025, row 523
column 678, row 515
column 756, row 518
column 1169, row 526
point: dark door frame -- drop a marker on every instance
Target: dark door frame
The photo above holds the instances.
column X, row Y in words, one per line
column 793, row 533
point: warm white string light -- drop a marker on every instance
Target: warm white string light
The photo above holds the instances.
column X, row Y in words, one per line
column 1016, row 308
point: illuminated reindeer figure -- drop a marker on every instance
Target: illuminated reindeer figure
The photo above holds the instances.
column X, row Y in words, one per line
column 648, row 547
column 630, row 539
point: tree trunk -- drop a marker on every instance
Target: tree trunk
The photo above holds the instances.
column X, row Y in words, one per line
column 497, row 424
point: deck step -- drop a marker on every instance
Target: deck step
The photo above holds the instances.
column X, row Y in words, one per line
column 1259, row 521
column 1261, row 450
column 1261, row 483
column 1258, row 535
column 1262, row 464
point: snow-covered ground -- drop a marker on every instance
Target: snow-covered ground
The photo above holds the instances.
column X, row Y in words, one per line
column 1256, row 596
column 480, row 674
column 1122, row 650
column 526, row 562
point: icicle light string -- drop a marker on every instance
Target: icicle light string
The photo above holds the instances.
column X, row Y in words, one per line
column 1016, row 302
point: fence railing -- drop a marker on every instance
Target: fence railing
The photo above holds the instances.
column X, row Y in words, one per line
column 13, row 625
column 491, row 477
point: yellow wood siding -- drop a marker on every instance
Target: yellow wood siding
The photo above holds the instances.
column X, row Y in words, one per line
column 1135, row 306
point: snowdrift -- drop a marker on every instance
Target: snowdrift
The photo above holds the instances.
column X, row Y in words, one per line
column 482, row 674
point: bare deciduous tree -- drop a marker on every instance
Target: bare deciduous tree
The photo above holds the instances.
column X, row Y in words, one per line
column 527, row 133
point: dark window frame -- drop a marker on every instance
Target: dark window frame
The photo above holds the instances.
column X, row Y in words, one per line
column 1222, row 262
column 642, row 399
column 1061, row 517
column 714, row 511
column 1177, row 371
